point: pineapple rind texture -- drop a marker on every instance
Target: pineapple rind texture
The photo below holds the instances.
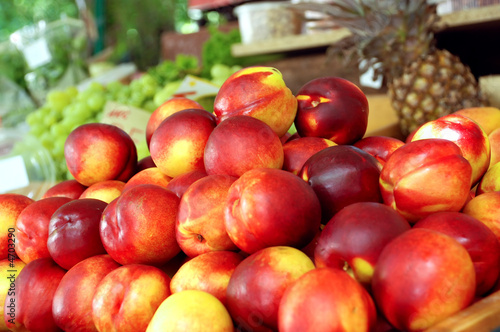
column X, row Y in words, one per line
column 433, row 86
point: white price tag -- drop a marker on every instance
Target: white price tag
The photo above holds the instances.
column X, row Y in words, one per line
column 131, row 119
column 193, row 87
column 13, row 174
column 37, row 53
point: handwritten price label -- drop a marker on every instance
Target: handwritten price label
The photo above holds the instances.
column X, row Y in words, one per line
column 193, row 87
column 130, row 119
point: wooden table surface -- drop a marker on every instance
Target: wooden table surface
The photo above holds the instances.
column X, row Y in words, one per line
column 482, row 316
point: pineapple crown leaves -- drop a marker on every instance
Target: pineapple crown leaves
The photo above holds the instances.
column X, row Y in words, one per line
column 393, row 32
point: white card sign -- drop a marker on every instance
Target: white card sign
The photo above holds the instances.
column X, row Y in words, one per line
column 13, row 174
column 193, row 87
column 131, row 119
column 37, row 53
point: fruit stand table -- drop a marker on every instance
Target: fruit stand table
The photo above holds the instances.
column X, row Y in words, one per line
column 483, row 315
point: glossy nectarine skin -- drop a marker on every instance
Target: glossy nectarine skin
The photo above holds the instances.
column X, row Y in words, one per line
column 341, row 175
column 490, row 180
column 67, row 188
column 484, row 207
column 178, row 144
column 73, row 233
column 486, row 117
column 179, row 184
column 11, row 205
column 200, row 226
column 32, row 229
column 31, row 302
column 381, row 147
column 259, row 92
column 72, row 304
column 169, row 107
column 241, row 143
column 151, row 175
column 494, row 138
column 97, row 152
column 349, row 306
column 209, row 272
column 297, row 151
column 422, row 277
column 332, row 108
column 139, row 226
column 257, row 284
column 356, row 235
column 191, row 310
column 144, row 163
column 270, row 207
column 426, row 176
column 127, row 297
column 480, row 241
column 105, row 191
column 464, row 132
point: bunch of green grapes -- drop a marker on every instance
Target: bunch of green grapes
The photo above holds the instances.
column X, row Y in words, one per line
column 64, row 110
column 221, row 72
column 139, row 93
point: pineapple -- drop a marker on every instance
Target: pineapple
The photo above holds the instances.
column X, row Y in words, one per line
column 424, row 82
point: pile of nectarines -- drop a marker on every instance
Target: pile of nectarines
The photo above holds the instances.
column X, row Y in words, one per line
column 236, row 222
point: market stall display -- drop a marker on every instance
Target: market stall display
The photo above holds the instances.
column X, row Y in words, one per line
column 150, row 196
column 421, row 178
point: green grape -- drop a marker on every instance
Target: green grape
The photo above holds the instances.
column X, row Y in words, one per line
column 81, row 113
column 62, row 169
column 43, row 112
column 82, row 97
column 142, row 150
column 235, row 68
column 58, row 99
column 136, row 99
column 34, row 118
column 149, row 90
column 218, row 81
column 114, row 86
column 67, row 124
column 37, row 129
column 58, row 130
column 123, row 95
column 166, row 92
column 148, row 79
column 95, row 87
column 68, row 110
column 98, row 117
column 72, row 91
column 96, row 102
column 220, row 71
column 58, row 147
column 149, row 106
column 55, row 113
column 47, row 140
column 49, row 120
column 135, row 85
column 92, row 120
